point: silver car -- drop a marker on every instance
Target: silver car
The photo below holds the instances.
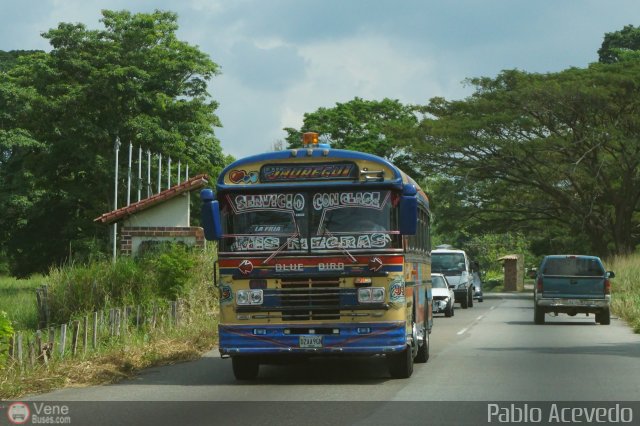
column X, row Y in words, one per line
column 443, row 296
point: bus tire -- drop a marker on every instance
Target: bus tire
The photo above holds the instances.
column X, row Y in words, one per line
column 471, row 299
column 464, row 303
column 245, row 367
column 401, row 364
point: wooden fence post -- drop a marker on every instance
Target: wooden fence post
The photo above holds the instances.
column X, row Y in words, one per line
column 19, row 342
column 12, row 347
column 63, row 339
column 42, row 351
column 154, row 318
column 95, row 330
column 52, row 341
column 174, row 313
column 117, row 325
column 74, row 337
column 125, row 319
column 32, row 353
column 112, row 321
column 85, row 334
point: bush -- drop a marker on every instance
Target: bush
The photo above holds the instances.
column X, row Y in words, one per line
column 166, row 272
column 174, row 269
column 6, row 331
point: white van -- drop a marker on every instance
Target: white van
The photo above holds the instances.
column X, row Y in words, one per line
column 455, row 265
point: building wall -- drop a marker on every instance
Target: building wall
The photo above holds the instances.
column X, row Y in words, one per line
column 173, row 212
column 514, row 274
column 131, row 237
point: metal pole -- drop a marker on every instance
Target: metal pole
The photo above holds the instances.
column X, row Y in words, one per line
column 116, row 146
column 186, row 177
column 179, row 177
column 148, row 173
column 169, row 173
column 140, row 173
column 129, row 175
column 159, row 172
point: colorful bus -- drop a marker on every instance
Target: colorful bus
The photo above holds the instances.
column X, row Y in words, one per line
column 321, row 252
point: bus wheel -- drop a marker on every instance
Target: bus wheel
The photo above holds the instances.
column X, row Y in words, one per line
column 471, row 299
column 423, row 351
column 245, row 367
column 401, row 364
column 464, row 303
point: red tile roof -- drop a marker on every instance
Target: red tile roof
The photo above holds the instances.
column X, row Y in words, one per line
column 188, row 185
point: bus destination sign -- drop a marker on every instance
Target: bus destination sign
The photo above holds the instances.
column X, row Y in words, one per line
column 302, row 172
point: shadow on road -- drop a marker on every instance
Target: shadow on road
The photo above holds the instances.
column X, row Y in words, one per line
column 211, row 370
column 631, row 350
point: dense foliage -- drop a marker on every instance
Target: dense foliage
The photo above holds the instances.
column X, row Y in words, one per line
column 61, row 112
column 6, row 331
column 170, row 272
column 552, row 157
column 377, row 127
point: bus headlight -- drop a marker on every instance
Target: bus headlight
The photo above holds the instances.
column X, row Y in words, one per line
column 249, row 297
column 371, row 295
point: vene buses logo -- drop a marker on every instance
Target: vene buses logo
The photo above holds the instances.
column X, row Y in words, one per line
column 300, row 172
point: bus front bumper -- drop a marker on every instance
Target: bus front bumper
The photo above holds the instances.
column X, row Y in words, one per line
column 313, row 339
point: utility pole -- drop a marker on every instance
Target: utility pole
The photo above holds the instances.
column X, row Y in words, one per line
column 116, row 147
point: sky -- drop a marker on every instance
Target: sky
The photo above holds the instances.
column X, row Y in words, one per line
column 280, row 59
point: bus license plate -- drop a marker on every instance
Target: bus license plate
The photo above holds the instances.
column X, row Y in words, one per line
column 310, row 341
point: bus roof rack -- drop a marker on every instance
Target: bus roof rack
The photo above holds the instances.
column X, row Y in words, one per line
column 444, row 247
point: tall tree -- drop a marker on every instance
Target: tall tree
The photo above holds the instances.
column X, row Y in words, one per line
column 540, row 149
column 620, row 45
column 132, row 80
column 376, row 127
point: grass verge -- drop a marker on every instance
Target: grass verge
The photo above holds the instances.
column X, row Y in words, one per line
column 18, row 300
column 625, row 289
column 112, row 362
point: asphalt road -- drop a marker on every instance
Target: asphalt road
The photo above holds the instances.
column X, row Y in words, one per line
column 491, row 352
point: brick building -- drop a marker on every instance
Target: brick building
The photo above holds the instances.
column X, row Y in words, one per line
column 163, row 217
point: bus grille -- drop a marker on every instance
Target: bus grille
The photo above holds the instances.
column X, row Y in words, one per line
column 310, row 299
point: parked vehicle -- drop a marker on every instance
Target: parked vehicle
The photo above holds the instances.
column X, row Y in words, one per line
column 477, row 281
column 455, row 265
column 443, row 296
column 572, row 284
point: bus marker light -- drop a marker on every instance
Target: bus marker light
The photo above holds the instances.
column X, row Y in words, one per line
column 362, row 281
column 259, row 331
column 363, row 330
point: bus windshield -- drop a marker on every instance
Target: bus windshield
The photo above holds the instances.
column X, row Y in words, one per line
column 310, row 221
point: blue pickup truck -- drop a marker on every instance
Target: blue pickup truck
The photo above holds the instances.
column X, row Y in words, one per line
column 572, row 284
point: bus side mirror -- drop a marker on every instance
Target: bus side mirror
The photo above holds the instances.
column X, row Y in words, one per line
column 409, row 210
column 210, row 213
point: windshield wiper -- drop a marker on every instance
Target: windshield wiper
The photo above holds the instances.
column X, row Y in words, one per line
column 293, row 236
column 325, row 231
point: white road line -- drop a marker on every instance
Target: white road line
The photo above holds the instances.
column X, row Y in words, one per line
column 492, row 308
column 462, row 331
column 480, row 317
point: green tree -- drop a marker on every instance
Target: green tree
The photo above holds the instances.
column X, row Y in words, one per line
column 63, row 110
column 620, row 45
column 544, row 151
column 375, row 127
